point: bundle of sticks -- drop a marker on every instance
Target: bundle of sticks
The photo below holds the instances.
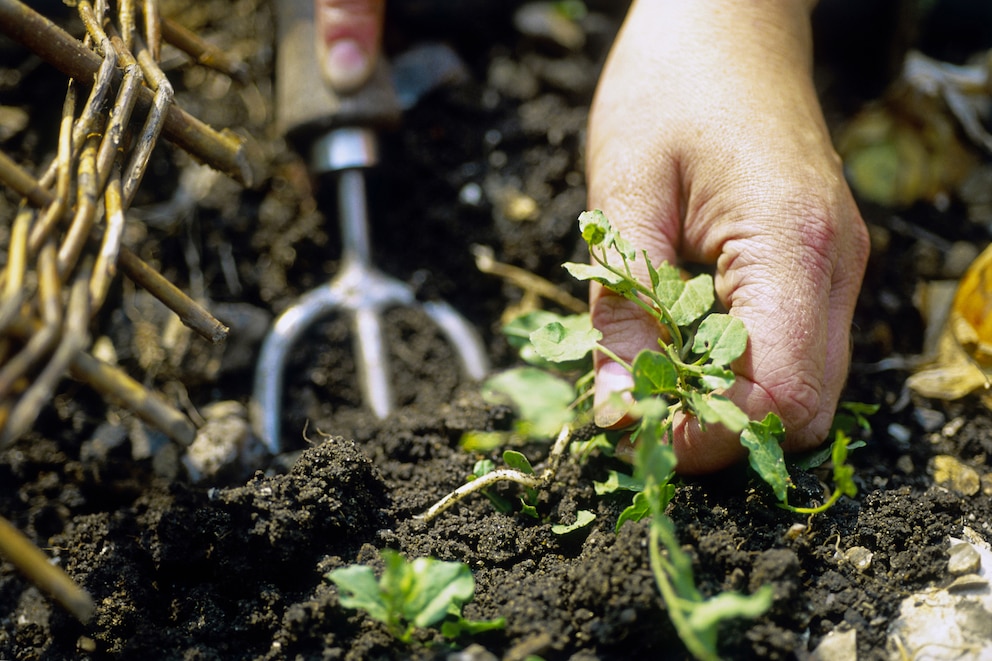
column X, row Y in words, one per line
column 65, row 241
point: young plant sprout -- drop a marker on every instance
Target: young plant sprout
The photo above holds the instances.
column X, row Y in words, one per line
column 687, row 373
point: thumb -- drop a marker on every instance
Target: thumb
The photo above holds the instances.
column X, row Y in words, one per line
column 349, row 33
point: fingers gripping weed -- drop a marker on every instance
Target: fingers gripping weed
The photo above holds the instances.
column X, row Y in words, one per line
column 686, row 374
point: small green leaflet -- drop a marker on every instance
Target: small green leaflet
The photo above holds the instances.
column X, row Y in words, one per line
column 517, row 461
column 639, row 509
column 763, row 442
column 707, row 615
column 594, row 226
column 687, row 301
column 600, row 274
column 617, row 481
column 654, row 374
column 360, row 590
column 717, row 409
column 560, row 343
column 436, row 586
column 723, row 336
column 582, row 519
column 716, row 378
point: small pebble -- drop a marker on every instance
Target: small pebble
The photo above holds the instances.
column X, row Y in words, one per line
column 968, row 583
column 959, row 258
column 859, row 557
column 986, row 480
column 471, row 194
column 929, row 419
column 837, row 646
column 899, row 433
column 474, row 652
column 956, row 476
column 963, row 559
column 519, row 207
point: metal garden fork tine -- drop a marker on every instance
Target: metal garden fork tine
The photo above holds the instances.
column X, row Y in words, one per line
column 359, row 289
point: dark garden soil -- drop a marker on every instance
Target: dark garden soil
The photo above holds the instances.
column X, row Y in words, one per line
column 232, row 568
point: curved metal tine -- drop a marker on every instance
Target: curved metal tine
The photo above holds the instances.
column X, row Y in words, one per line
column 462, row 335
column 373, row 369
column 288, row 327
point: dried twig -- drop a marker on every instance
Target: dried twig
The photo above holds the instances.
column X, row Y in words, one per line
column 35, row 565
column 192, row 313
column 203, row 52
column 222, row 150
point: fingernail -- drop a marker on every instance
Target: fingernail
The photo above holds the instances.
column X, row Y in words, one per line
column 346, row 65
column 611, row 379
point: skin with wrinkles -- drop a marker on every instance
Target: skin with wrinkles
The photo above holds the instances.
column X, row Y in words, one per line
column 707, row 144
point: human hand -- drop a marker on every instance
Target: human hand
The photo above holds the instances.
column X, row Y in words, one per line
column 707, row 144
column 349, row 33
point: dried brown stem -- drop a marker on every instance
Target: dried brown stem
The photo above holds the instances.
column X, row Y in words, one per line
column 222, row 150
column 116, row 385
column 153, row 28
column 203, row 52
column 153, row 124
column 106, row 262
column 74, row 339
column 34, row 563
column 192, row 313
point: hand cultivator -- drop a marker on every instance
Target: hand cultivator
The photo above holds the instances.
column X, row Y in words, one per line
column 65, row 243
column 345, row 147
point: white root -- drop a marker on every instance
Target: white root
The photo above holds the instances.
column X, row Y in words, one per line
column 505, row 475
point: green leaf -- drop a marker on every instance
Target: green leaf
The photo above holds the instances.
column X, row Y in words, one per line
column 617, row 481
column 714, row 377
column 843, row 472
column 763, row 442
column 706, row 616
column 518, row 461
column 816, row 458
column 436, row 586
column 542, row 400
column 654, row 461
column 483, row 466
column 717, row 409
column 686, row 301
column 695, row 301
column 459, row 626
column 595, row 227
column 639, row 509
column 599, row 273
column 518, row 334
column 851, row 415
column 560, row 343
column 582, row 519
column 359, row 589
column 722, row 336
column 654, row 374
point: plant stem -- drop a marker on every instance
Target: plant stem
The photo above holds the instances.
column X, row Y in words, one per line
column 615, row 358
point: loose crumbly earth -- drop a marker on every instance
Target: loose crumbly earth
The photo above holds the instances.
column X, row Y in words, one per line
column 234, row 570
